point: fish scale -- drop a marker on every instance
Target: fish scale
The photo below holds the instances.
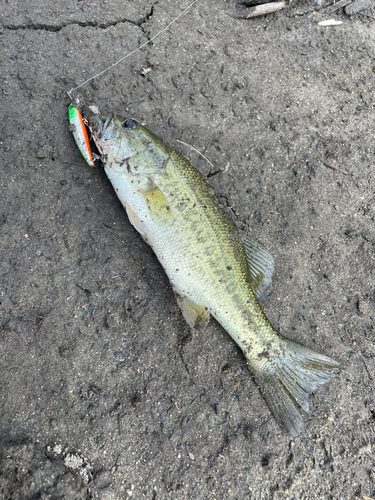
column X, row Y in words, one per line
column 217, row 254
column 213, row 270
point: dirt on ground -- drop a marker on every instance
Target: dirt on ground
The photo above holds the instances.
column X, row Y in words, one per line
column 105, row 391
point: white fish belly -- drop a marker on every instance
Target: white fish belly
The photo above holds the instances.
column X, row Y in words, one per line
column 167, row 241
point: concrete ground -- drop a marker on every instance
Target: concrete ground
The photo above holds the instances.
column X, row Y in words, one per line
column 105, row 392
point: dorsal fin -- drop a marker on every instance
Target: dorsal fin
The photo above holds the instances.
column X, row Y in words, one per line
column 261, row 266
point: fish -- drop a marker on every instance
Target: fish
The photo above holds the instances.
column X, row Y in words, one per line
column 213, row 268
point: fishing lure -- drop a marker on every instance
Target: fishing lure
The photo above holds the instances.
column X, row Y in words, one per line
column 80, row 134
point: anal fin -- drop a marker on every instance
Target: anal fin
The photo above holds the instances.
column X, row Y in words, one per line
column 196, row 315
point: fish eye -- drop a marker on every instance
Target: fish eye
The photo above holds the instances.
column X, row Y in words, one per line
column 129, row 124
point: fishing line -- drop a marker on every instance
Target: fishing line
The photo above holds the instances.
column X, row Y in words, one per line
column 71, row 91
column 196, row 150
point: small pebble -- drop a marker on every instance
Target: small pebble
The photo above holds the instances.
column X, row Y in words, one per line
column 363, row 308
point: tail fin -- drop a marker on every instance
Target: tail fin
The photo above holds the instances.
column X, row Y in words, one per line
column 287, row 381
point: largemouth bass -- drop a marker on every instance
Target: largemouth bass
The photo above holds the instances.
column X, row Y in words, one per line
column 213, row 270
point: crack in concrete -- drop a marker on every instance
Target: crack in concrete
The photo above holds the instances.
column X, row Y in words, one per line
column 237, row 217
column 83, row 24
column 49, row 27
column 55, row 29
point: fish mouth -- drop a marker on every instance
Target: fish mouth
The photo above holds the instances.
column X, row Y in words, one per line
column 97, row 126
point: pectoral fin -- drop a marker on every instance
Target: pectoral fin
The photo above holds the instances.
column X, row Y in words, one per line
column 260, row 265
column 156, row 201
column 196, row 315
